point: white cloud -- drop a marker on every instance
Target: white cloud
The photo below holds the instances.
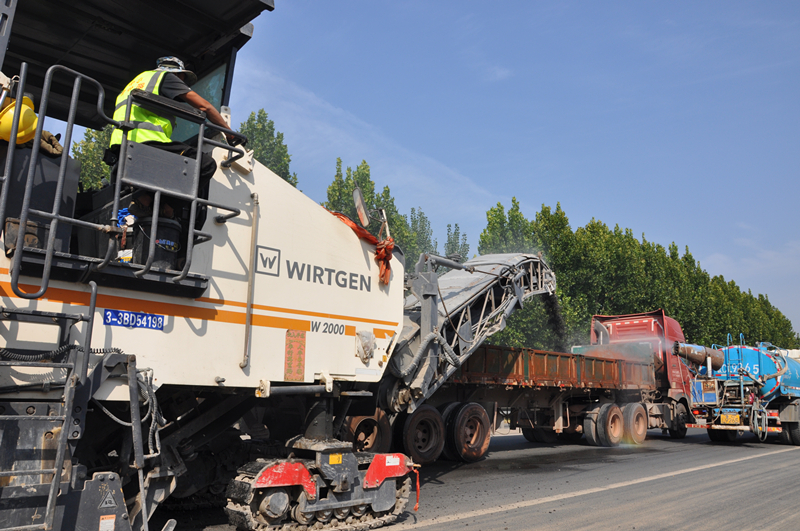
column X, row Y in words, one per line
column 318, row 132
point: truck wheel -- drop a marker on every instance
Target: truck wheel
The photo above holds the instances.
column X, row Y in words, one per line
column 545, row 435
column 794, row 432
column 609, row 425
column 469, row 432
column 722, row 436
column 423, row 435
column 678, row 431
column 529, row 435
column 590, row 427
column 447, row 411
column 369, row 434
column 634, row 419
column 784, row 437
column 570, row 437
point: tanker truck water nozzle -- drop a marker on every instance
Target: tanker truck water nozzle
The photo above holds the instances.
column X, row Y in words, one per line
column 699, row 354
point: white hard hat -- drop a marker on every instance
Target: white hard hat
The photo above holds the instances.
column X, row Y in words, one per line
column 174, row 65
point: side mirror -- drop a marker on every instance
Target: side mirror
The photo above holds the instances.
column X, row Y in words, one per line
column 361, row 207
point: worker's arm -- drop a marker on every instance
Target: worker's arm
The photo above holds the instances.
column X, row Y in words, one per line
column 199, row 102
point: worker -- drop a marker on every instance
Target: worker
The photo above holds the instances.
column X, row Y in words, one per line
column 170, row 79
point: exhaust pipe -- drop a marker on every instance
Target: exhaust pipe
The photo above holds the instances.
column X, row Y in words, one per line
column 698, row 354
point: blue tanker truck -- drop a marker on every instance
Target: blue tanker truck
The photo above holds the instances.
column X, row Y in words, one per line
column 741, row 388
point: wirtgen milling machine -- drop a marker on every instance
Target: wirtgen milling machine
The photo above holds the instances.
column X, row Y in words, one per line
column 212, row 359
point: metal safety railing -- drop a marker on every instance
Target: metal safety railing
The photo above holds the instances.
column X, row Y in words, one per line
column 129, row 163
column 77, row 368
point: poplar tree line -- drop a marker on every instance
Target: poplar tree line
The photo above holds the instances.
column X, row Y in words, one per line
column 600, row 270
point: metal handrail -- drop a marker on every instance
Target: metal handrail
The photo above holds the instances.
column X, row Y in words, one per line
column 158, row 191
column 54, row 216
column 12, row 145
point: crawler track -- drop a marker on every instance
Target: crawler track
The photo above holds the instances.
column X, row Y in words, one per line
column 241, row 513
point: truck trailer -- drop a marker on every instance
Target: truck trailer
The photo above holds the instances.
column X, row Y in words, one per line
column 625, row 382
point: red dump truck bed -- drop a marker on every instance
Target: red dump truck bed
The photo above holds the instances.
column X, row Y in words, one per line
column 615, row 366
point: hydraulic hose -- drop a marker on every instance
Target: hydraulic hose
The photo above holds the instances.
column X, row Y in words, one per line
column 758, row 422
column 449, row 354
column 780, row 372
column 15, row 356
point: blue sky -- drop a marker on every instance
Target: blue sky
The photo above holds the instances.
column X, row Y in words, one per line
column 679, row 120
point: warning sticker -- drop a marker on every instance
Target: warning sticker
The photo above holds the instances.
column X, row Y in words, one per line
column 107, row 522
column 335, row 459
column 108, row 501
column 392, row 460
column 295, row 360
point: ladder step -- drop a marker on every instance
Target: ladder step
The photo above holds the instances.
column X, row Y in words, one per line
column 38, row 313
column 60, row 418
column 37, row 364
column 25, row 527
column 12, row 473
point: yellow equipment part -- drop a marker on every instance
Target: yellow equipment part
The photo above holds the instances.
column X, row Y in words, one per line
column 27, row 121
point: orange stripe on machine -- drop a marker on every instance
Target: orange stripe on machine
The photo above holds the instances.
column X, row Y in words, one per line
column 81, row 298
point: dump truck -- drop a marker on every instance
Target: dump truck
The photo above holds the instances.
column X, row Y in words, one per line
column 218, row 356
column 625, row 382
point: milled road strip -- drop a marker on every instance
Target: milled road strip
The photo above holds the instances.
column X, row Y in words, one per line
column 558, row 497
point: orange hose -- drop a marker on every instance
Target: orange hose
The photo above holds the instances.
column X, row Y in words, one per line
column 383, row 248
column 416, row 507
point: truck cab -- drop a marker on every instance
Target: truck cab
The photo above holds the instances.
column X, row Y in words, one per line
column 655, row 330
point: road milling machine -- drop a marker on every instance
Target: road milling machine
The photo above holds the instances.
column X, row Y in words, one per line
column 216, row 357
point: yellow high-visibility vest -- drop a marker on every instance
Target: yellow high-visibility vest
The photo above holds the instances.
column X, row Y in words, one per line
column 149, row 125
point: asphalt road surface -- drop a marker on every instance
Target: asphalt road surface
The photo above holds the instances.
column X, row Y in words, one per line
column 662, row 484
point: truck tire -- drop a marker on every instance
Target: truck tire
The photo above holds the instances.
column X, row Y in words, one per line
column 369, row 434
column 794, row 432
column 722, row 436
column 423, row 435
column 447, row 411
column 570, row 437
column 678, row 429
column 634, row 420
column 545, row 435
column 469, row 432
column 590, row 427
column 609, row 425
column 529, row 435
column 784, row 437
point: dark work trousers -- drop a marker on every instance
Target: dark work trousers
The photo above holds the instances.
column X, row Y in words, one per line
column 207, row 168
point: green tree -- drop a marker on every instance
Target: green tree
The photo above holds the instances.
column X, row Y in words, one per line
column 421, row 233
column 340, row 199
column 267, row 145
column 456, row 243
column 506, row 233
column 609, row 271
column 89, row 152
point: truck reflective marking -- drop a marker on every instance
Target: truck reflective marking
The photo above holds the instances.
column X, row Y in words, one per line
column 81, row 298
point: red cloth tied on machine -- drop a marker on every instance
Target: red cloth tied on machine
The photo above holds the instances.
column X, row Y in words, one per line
column 383, row 248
